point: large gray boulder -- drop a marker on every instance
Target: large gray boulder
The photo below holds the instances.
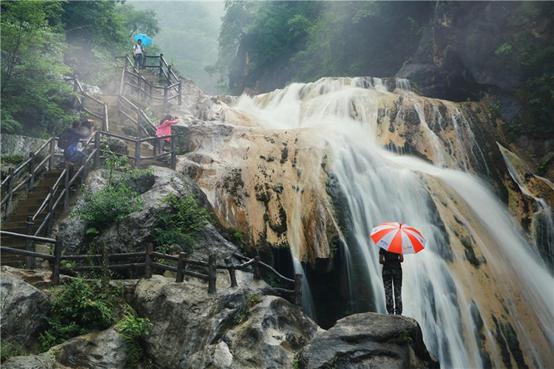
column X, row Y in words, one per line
column 98, row 350
column 23, row 308
column 235, row 329
column 368, row 340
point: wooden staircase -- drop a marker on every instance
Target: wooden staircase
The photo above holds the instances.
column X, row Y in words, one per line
column 26, row 207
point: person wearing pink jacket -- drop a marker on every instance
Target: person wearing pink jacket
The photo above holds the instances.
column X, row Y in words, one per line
column 164, row 129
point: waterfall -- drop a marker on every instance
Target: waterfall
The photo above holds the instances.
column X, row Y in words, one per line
column 440, row 288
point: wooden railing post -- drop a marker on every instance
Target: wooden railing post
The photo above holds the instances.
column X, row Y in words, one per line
column 180, row 90
column 180, row 268
column 66, row 187
column 257, row 269
column 173, row 162
column 49, row 214
column 148, row 260
column 105, row 266
column 97, row 148
column 106, row 127
column 51, row 152
column 137, row 153
column 231, row 270
column 29, row 243
column 168, row 74
column 212, row 274
column 31, row 175
column 298, row 289
column 161, row 66
column 58, row 246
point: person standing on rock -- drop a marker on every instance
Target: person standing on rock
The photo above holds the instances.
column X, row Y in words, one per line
column 392, row 277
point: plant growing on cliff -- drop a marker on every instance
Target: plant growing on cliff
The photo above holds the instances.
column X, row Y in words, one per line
column 77, row 308
column 134, row 329
column 108, row 206
column 10, row 348
column 181, row 222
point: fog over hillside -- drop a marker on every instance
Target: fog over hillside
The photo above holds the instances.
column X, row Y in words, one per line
column 188, row 36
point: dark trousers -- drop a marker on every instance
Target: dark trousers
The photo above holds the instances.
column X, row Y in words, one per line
column 392, row 278
column 139, row 61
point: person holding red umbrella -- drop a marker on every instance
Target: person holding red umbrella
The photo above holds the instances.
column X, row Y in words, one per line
column 395, row 240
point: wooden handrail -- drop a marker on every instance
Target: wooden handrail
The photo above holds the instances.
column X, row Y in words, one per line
column 28, row 237
column 181, row 270
column 11, row 250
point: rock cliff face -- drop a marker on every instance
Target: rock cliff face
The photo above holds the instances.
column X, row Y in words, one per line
column 23, row 308
column 235, row 329
column 135, row 230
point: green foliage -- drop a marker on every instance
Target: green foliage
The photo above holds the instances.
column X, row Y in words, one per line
column 134, row 329
column 504, row 49
column 238, row 237
column 11, row 159
column 308, row 40
column 180, row 223
column 42, row 41
column 10, row 348
column 77, row 308
column 108, row 206
column 34, row 95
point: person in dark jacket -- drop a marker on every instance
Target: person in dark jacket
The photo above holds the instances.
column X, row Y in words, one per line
column 392, row 277
column 71, row 138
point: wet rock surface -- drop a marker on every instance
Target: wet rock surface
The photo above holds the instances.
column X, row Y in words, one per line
column 105, row 349
column 133, row 232
column 368, row 340
column 237, row 329
column 23, row 308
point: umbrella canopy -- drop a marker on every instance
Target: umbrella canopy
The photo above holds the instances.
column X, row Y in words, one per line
column 398, row 238
column 146, row 40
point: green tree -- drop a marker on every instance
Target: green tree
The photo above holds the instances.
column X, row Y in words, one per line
column 33, row 91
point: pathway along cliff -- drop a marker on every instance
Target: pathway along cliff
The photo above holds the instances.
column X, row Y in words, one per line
column 313, row 167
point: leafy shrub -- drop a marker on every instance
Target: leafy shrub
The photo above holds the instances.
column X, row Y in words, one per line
column 181, row 222
column 238, row 237
column 504, row 49
column 10, row 348
column 11, row 159
column 134, row 329
column 77, row 308
column 108, row 205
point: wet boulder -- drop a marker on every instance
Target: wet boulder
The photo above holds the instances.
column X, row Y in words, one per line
column 105, row 349
column 23, row 308
column 368, row 340
column 234, row 329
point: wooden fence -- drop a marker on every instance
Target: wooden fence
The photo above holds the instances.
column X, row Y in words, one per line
column 91, row 105
column 170, row 89
column 24, row 176
column 149, row 261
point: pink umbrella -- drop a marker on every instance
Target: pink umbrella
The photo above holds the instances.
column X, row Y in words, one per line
column 398, row 238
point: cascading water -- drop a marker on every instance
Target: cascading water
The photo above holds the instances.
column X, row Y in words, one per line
column 377, row 185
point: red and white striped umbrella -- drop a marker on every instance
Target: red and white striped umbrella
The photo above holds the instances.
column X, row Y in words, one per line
column 398, row 238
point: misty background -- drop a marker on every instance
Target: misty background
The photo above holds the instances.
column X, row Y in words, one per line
column 188, row 36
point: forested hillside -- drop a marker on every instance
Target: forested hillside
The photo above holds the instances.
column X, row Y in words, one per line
column 456, row 51
column 44, row 41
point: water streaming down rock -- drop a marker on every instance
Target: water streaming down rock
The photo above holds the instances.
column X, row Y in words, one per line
column 468, row 290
